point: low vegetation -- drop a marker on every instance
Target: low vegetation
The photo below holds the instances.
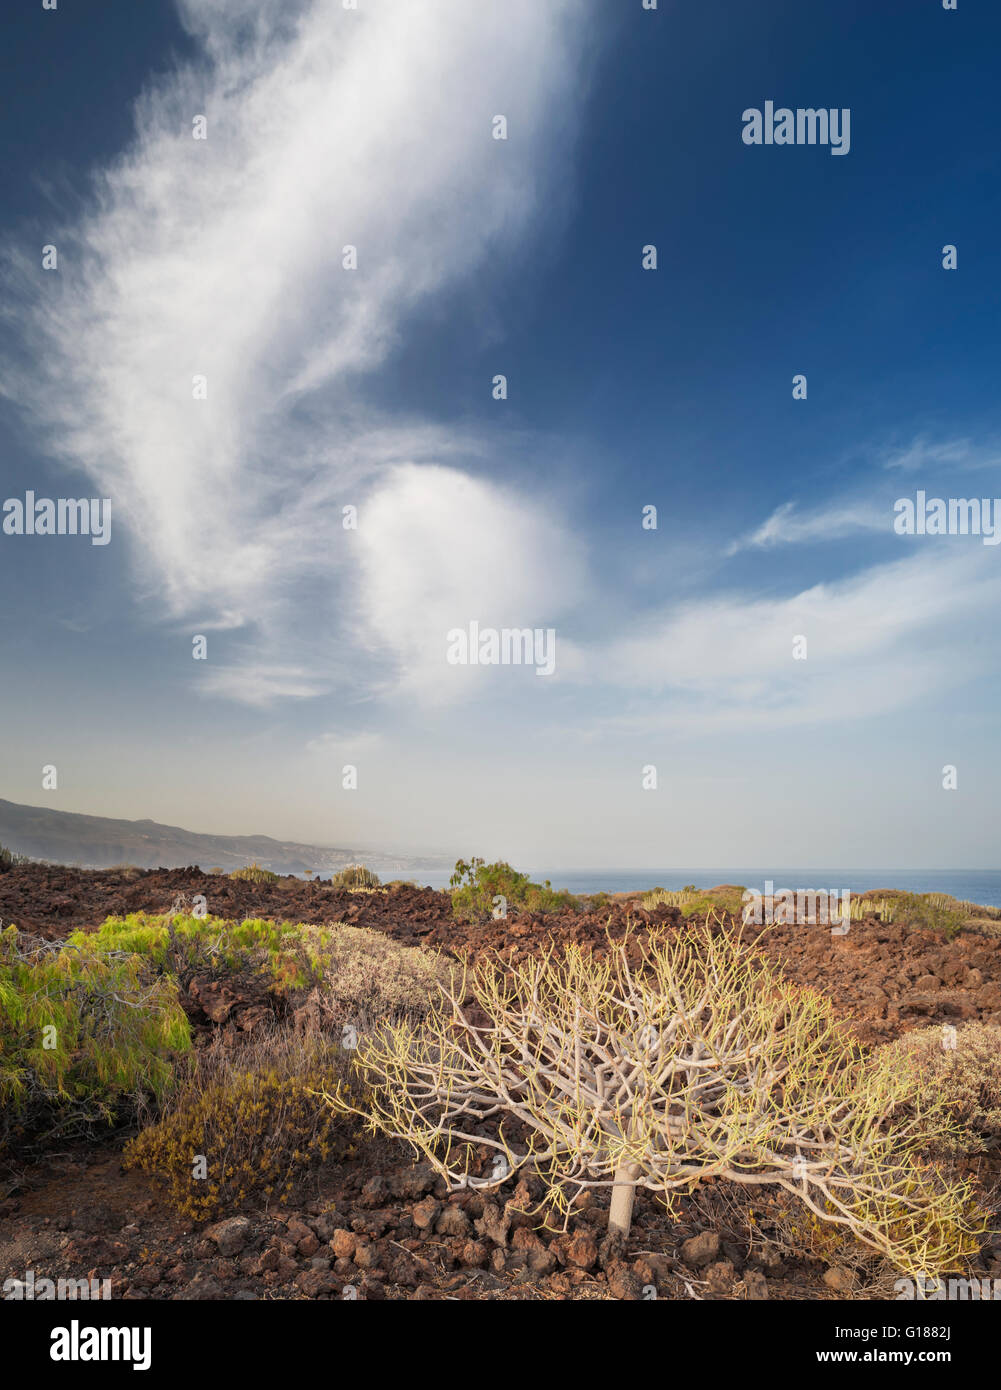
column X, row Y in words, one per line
column 680, row 1060
column 938, row 912
column 962, row 1067
column 368, row 978
column 87, row 1037
column 354, row 876
column 480, row 891
column 92, row 1031
column 695, row 902
column 861, row 908
column 9, row 859
column 247, row 1128
column 253, row 873
column 931, row 911
column 293, row 955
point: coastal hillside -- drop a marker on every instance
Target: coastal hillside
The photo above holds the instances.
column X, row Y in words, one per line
column 99, row 842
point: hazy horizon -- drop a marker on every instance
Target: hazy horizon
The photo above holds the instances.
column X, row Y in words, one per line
column 620, row 869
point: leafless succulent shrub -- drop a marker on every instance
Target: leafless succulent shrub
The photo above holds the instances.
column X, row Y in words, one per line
column 777, row 1228
column 659, row 1065
column 254, row 873
column 354, row 876
column 367, row 976
column 962, row 1067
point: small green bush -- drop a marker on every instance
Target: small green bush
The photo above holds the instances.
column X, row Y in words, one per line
column 354, row 876
column 86, row 1037
column 921, row 911
column 292, row 954
column 475, row 885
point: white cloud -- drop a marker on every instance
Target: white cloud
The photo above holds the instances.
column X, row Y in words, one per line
column 439, row 548
column 877, row 641
column 787, row 526
column 223, row 257
column 339, row 745
column 253, row 683
column 860, row 511
column 949, row 453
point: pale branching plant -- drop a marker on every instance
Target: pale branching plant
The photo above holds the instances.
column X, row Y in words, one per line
column 658, row 1064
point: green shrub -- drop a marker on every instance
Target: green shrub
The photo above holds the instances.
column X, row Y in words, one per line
column 292, row 954
column 964, row 906
column 354, row 876
column 919, row 910
column 255, row 1119
column 360, row 974
column 253, row 873
column 928, row 911
column 475, row 885
column 86, row 1037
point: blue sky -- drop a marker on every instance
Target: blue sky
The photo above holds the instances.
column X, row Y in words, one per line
column 627, row 387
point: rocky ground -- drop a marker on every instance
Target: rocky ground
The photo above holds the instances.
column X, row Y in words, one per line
column 885, row 977
column 382, row 1229
column 52, row 900
column 377, row 1226
column 379, row 1232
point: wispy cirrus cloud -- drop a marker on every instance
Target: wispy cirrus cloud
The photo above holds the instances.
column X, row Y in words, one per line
column 936, row 456
column 255, row 683
column 787, row 525
column 878, row 640
column 869, row 506
column 223, row 258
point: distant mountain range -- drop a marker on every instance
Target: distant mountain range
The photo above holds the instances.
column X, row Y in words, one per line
column 98, row 842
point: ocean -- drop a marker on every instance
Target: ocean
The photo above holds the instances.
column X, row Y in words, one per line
column 972, row 885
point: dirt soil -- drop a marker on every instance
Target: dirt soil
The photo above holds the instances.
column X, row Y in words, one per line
column 379, row 1227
